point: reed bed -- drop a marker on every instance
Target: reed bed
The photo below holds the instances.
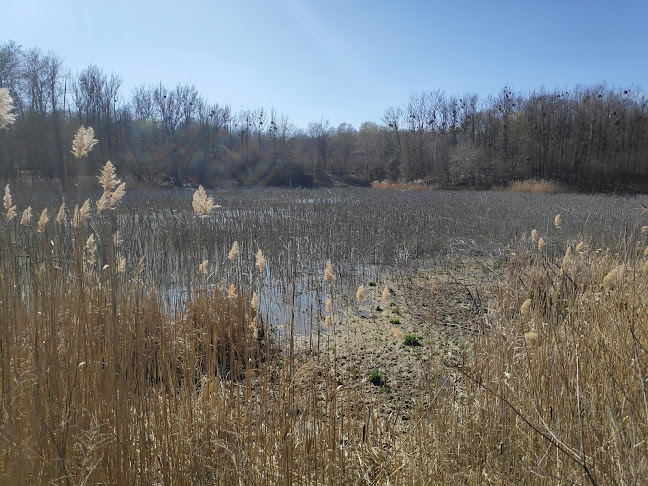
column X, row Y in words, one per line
column 154, row 338
column 537, row 187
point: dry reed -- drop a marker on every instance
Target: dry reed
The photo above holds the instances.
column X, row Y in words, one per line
column 536, row 187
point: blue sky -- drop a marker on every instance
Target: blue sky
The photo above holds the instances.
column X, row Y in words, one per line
column 343, row 61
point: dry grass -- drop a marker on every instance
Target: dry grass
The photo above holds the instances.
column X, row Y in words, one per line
column 108, row 379
column 536, row 187
column 102, row 382
column 570, row 402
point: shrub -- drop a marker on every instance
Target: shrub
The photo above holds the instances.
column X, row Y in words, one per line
column 411, row 340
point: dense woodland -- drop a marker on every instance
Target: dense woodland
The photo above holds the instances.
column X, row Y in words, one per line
column 588, row 137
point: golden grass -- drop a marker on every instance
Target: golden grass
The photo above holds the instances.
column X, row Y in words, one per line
column 536, row 187
column 103, row 381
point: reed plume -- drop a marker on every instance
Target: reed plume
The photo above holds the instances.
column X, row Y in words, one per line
column 233, row 251
column 328, row 273
column 83, row 141
column 6, row 106
column 42, row 221
column 113, row 188
column 60, row 216
column 558, row 221
column 525, row 308
column 613, row 277
column 107, row 178
column 260, row 260
column 231, row 292
column 565, row 259
column 254, row 302
column 534, row 236
column 386, row 294
column 360, row 294
column 80, row 214
column 11, row 210
column 26, row 216
column 121, row 264
column 541, row 245
column 329, row 305
column 91, row 248
column 203, row 204
column 202, row 268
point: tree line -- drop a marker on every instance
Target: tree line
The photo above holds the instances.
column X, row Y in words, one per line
column 588, row 137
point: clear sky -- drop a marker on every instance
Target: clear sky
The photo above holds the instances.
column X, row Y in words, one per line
column 340, row 60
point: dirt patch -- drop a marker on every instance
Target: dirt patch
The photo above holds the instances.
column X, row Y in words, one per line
column 396, row 352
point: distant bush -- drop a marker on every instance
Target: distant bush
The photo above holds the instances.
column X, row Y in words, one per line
column 417, row 185
column 536, row 187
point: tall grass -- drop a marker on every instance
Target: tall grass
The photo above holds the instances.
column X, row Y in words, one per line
column 536, row 187
column 134, row 351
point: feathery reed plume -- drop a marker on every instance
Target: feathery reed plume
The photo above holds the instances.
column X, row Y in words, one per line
column 231, row 292
column 644, row 230
column 107, row 178
column 329, row 305
column 102, row 202
column 91, row 247
column 525, row 308
column 531, row 339
column 84, row 211
column 7, row 197
column 83, row 141
column 557, row 221
column 432, row 289
column 398, row 334
column 580, row 247
column 534, row 236
column 6, row 105
column 203, row 204
column 11, row 210
column 327, row 321
column 360, row 294
column 254, row 328
column 645, row 252
column 260, row 260
column 254, row 302
column 386, row 294
column 113, row 188
column 541, row 245
column 565, row 259
column 42, row 221
column 121, row 264
column 11, row 213
column 26, row 216
column 117, row 195
column 202, row 268
column 613, row 277
column 328, row 273
column 60, row 216
column 233, row 251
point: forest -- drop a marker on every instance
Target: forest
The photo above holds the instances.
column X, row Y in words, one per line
column 589, row 138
